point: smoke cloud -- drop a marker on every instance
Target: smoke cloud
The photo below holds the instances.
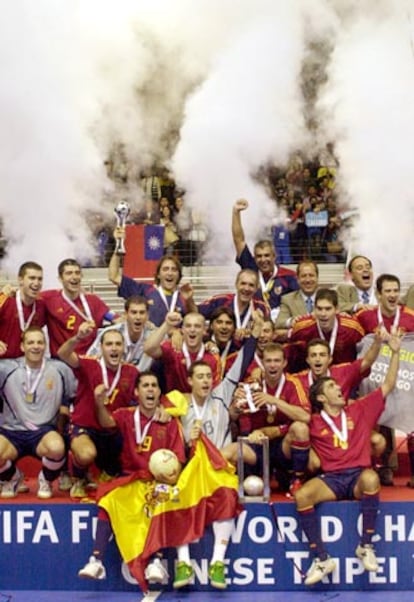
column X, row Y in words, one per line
column 215, row 90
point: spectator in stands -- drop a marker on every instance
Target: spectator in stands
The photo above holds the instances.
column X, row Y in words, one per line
column 113, row 379
column 183, row 222
column 340, row 436
column 150, row 214
column 361, row 293
column 37, row 393
column 135, row 329
column 274, row 280
column 163, row 296
column 198, row 237
column 21, row 309
column 171, row 237
column 298, row 303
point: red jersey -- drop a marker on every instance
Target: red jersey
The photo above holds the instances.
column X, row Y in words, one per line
column 348, row 376
column 89, row 376
column 175, row 368
column 292, row 392
column 10, row 331
column 361, row 416
column 348, row 335
column 368, row 319
column 63, row 320
column 135, row 456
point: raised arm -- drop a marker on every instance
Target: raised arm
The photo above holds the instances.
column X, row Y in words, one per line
column 114, row 268
column 372, row 352
column 390, row 380
column 67, row 352
column 152, row 345
column 237, row 227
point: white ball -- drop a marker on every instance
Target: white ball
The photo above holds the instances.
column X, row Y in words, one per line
column 164, row 466
column 253, row 485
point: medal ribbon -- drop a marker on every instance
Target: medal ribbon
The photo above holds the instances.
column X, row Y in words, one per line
column 86, row 313
column 20, row 313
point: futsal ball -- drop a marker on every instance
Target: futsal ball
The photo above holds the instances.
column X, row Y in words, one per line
column 253, row 485
column 164, row 466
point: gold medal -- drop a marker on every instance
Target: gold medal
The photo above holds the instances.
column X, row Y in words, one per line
column 29, row 397
column 270, row 418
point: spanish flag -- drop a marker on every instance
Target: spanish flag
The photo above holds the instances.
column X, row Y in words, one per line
column 147, row 516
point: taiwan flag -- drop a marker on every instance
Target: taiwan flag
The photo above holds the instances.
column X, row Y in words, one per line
column 153, row 242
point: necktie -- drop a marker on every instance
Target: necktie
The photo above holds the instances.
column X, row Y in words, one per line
column 309, row 304
column 365, row 297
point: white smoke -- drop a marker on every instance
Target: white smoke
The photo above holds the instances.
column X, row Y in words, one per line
column 368, row 108
column 224, row 80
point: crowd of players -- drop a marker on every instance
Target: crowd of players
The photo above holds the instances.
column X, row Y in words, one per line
column 275, row 360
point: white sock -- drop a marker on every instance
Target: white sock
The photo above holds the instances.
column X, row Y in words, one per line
column 183, row 553
column 222, row 530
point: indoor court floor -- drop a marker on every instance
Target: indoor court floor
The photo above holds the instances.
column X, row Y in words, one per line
column 213, row 596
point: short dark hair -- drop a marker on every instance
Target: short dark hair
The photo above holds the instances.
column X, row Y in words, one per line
column 196, row 364
column 350, row 264
column 219, row 311
column 141, row 375
column 317, row 389
column 68, row 262
column 314, row 342
column 386, row 278
column 329, row 294
column 28, row 265
column 31, row 329
column 135, row 300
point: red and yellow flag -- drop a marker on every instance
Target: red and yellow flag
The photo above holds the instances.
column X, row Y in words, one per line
column 148, row 516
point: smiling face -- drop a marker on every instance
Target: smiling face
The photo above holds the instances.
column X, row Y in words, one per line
column 148, row 393
column 112, row 348
column 388, row 297
column 168, row 275
column 246, row 286
column 265, row 258
column 30, row 285
column 307, row 278
column 71, row 279
column 33, row 346
column 222, row 328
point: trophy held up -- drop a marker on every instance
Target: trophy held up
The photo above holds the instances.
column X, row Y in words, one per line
column 121, row 212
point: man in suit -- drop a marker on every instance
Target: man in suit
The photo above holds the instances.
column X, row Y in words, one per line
column 361, row 293
column 298, row 303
